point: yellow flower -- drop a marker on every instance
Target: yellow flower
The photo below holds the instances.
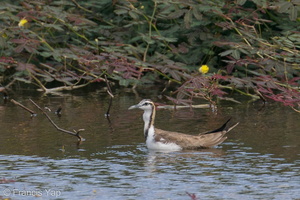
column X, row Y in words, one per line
column 4, row 35
column 203, row 69
column 22, row 22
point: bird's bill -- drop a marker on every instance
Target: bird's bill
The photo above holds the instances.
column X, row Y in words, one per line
column 133, row 107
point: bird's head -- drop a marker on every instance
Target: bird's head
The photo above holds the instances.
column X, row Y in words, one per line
column 145, row 104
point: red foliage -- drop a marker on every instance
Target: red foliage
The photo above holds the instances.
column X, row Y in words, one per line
column 192, row 195
column 8, row 60
column 4, row 180
column 287, row 96
column 219, row 77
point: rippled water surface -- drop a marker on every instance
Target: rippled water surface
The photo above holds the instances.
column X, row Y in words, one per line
column 259, row 160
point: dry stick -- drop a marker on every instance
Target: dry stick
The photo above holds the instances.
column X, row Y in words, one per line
column 24, row 107
column 109, row 91
column 178, row 107
column 298, row 111
column 75, row 133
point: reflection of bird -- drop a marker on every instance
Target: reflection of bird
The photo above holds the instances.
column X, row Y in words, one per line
column 167, row 140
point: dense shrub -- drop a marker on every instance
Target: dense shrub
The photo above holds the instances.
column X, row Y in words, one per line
column 251, row 47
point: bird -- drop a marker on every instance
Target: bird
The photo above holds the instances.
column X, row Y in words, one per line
column 158, row 139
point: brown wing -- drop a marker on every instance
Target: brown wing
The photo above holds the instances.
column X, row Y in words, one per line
column 190, row 141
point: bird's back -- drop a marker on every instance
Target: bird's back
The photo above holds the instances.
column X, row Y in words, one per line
column 190, row 141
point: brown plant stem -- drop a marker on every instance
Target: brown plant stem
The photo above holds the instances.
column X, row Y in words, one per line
column 75, row 133
column 62, row 88
column 180, row 107
column 24, row 107
column 298, row 111
column 80, row 7
column 109, row 91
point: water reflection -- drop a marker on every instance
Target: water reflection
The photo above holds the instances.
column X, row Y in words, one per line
column 163, row 158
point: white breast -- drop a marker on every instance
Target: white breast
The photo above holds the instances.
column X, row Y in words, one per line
column 157, row 145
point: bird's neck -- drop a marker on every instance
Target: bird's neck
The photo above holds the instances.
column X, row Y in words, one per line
column 148, row 117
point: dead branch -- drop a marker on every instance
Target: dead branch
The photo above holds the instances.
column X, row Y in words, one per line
column 298, row 111
column 179, row 107
column 62, row 88
column 24, row 107
column 109, row 91
column 4, row 89
column 75, row 133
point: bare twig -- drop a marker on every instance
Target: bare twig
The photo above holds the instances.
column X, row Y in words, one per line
column 179, row 107
column 24, row 107
column 298, row 111
column 108, row 109
column 109, row 91
column 62, row 88
column 4, row 89
column 10, row 84
column 75, row 133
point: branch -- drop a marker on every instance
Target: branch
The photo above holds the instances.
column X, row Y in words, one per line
column 24, row 107
column 298, row 111
column 4, row 89
column 62, row 88
column 75, row 133
column 180, row 107
column 10, row 84
column 109, row 91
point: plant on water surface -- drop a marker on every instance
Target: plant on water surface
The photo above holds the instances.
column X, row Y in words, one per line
column 251, row 47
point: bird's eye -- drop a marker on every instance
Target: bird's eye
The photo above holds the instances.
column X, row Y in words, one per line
column 146, row 104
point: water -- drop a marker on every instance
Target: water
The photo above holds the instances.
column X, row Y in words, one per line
column 259, row 160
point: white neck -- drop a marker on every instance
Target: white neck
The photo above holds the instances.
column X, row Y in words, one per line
column 148, row 118
column 149, row 133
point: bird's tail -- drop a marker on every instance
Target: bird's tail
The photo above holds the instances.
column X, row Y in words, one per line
column 222, row 128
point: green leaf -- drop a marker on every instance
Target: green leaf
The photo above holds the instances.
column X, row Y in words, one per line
column 176, row 14
column 197, row 14
column 293, row 13
column 241, row 2
column 135, row 39
column 54, row 26
column 244, row 51
column 283, row 7
column 124, row 82
column 22, row 80
column 133, row 15
column 121, row 11
column 147, row 39
column 167, row 39
column 236, row 54
column 188, row 19
column 45, row 54
column 225, row 53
